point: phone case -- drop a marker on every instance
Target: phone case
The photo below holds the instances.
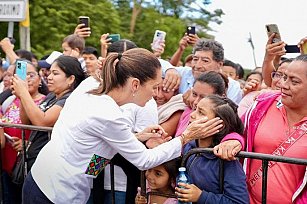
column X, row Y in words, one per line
column 305, row 48
column 114, row 37
column 158, row 38
column 191, row 30
column 85, row 20
column 292, row 49
column 21, row 69
column 273, row 28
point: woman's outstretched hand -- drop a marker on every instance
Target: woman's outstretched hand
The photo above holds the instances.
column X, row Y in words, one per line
column 202, row 128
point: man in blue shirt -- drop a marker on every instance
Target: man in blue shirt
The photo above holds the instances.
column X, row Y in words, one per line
column 208, row 55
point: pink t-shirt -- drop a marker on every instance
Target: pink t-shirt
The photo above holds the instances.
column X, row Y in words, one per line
column 11, row 115
column 183, row 121
column 280, row 175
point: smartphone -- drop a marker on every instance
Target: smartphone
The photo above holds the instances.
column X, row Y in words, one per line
column 304, row 48
column 273, row 28
column 85, row 20
column 191, row 30
column 159, row 37
column 292, row 49
column 114, row 37
column 21, row 69
column 9, row 138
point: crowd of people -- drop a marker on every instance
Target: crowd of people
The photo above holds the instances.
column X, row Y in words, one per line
column 129, row 107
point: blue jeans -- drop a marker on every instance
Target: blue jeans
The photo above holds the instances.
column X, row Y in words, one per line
column 120, row 197
column 11, row 191
column 31, row 192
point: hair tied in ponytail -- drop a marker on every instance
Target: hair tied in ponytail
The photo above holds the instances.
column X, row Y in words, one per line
column 119, row 56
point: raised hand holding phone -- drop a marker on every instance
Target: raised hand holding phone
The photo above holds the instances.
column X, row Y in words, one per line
column 83, row 29
column 21, row 69
column 303, row 45
column 114, row 37
column 84, row 20
column 159, row 37
column 273, row 28
column 19, row 84
column 191, row 30
column 192, row 36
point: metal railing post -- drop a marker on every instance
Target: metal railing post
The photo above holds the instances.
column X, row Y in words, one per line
column 112, row 183
column 264, row 180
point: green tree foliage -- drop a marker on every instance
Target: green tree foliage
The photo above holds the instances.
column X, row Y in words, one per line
column 52, row 20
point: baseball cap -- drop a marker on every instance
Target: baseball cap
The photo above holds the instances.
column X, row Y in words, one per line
column 53, row 56
column 44, row 64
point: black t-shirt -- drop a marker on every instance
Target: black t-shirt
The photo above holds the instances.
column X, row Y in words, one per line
column 39, row 139
column 4, row 95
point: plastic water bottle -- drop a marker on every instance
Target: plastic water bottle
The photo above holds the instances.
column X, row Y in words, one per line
column 182, row 178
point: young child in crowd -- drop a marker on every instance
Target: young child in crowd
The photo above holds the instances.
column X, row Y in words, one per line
column 203, row 168
column 73, row 46
column 161, row 179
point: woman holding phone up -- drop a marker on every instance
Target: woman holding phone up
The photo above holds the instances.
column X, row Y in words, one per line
column 85, row 139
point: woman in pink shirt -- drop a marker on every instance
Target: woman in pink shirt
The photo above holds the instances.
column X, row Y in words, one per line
column 210, row 82
column 288, row 110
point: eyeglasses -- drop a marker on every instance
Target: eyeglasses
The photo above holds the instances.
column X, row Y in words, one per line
column 276, row 75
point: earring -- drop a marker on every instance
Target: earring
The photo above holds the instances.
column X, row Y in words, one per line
column 133, row 95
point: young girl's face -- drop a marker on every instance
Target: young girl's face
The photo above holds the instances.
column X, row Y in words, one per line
column 162, row 96
column 204, row 108
column 199, row 91
column 158, row 178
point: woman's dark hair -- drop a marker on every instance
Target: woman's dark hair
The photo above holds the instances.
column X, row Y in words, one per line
column 121, row 46
column 71, row 66
column 43, row 88
column 285, row 60
column 24, row 54
column 136, row 62
column 302, row 57
column 171, row 167
column 252, row 73
column 218, row 81
column 225, row 109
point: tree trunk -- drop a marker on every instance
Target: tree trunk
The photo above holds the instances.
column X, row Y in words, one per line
column 136, row 10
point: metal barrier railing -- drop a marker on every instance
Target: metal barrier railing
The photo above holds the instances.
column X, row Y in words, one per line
column 266, row 158
column 23, row 128
column 259, row 156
